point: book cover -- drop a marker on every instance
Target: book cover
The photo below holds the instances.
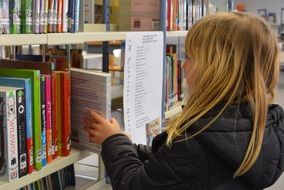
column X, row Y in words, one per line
column 89, row 90
column 71, row 8
column 4, row 19
column 26, row 84
column 48, row 118
column 26, row 17
column 65, row 113
column 8, row 129
column 36, row 16
column 65, row 16
column 34, row 75
column 59, row 15
column 43, row 118
column 15, row 16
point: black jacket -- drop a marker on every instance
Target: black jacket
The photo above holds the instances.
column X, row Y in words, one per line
column 207, row 161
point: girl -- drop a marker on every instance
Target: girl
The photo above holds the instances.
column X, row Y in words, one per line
column 228, row 136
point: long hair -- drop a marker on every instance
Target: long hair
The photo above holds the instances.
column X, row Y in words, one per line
column 237, row 60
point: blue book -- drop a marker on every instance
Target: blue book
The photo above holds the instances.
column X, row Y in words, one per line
column 26, row 84
column 76, row 15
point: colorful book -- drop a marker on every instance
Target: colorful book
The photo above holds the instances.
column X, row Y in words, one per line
column 36, row 16
column 34, row 75
column 48, row 118
column 26, row 84
column 4, row 19
column 26, row 17
column 54, row 116
column 15, row 16
column 43, row 118
column 8, row 133
column 58, row 110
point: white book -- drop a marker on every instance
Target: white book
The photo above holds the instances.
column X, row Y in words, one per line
column 8, row 135
column 65, row 16
column 89, row 90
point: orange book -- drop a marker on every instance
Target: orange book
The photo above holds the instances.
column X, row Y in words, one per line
column 54, row 116
column 58, row 111
column 59, row 15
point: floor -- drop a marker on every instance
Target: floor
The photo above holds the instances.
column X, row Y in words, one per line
column 87, row 171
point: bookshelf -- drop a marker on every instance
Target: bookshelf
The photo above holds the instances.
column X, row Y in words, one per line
column 22, row 39
column 60, row 162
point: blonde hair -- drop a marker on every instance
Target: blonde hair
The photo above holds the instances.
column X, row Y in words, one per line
column 236, row 59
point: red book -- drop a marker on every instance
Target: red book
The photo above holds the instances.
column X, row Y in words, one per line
column 65, row 114
column 54, row 118
column 169, row 14
column 48, row 118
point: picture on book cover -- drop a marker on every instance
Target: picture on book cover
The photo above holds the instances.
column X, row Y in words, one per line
column 2, row 156
column 152, row 130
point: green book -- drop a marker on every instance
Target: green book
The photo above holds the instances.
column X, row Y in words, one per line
column 34, row 75
column 15, row 16
column 26, row 17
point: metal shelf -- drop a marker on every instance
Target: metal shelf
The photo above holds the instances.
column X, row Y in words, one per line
column 22, row 39
column 54, row 166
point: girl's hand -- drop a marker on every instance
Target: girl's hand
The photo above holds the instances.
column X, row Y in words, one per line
column 99, row 128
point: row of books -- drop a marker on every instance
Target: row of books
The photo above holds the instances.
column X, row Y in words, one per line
column 39, row 16
column 173, row 76
column 181, row 14
column 35, row 116
column 58, row 180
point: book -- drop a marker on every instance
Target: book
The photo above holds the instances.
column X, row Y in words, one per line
column 8, row 134
column 54, row 116
column 4, row 19
column 26, row 84
column 76, row 15
column 36, row 16
column 26, row 17
column 34, row 75
column 48, row 87
column 71, row 11
column 21, row 126
column 55, row 19
column 59, row 15
column 50, row 21
column 41, row 16
column 43, row 118
column 65, row 16
column 45, row 20
column 15, row 16
column 89, row 90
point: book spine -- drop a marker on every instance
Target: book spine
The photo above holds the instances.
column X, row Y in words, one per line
column 41, row 16
column 55, row 19
column 54, row 117
column 58, row 111
column 76, row 15
column 8, row 101
column 43, row 118
column 65, row 16
column 65, row 112
column 5, row 23
column 15, row 16
column 45, row 15
column 29, row 129
column 71, row 16
column 50, row 16
column 59, row 15
column 48, row 119
column 36, row 15
column 26, row 17
column 21, row 122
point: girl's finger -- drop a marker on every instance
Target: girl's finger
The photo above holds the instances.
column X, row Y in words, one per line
column 97, row 117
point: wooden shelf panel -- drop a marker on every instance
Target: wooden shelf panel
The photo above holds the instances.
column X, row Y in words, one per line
column 22, row 39
column 176, row 33
column 80, row 38
column 54, row 166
